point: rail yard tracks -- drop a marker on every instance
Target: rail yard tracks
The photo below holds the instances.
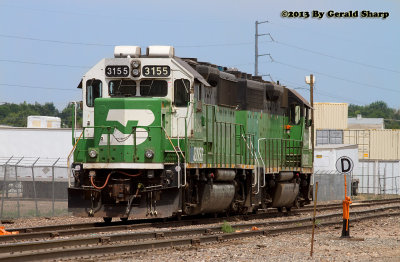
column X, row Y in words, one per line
column 67, row 242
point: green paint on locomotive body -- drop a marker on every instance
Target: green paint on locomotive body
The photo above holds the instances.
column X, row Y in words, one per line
column 125, row 128
column 221, row 137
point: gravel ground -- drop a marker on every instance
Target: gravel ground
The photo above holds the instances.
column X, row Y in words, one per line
column 377, row 240
column 374, row 240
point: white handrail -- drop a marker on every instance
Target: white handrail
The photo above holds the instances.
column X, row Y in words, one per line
column 179, row 163
column 259, row 153
column 257, row 177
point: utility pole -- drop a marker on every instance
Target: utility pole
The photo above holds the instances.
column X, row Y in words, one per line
column 310, row 80
column 256, row 47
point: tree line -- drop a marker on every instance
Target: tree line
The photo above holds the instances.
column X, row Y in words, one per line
column 378, row 109
column 16, row 114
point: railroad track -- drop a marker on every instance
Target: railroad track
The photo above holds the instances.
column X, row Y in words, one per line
column 51, row 231
column 99, row 245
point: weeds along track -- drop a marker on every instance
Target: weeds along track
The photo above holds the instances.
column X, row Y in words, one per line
column 99, row 245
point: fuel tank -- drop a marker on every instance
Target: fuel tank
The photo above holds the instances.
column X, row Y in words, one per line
column 285, row 194
column 217, row 197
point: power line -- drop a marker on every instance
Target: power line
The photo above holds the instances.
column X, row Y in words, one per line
column 38, row 87
column 336, row 77
column 112, row 45
column 53, row 41
column 337, row 58
column 323, row 33
column 44, row 64
column 338, row 97
column 296, row 85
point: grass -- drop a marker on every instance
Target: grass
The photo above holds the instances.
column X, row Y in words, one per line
column 227, row 228
column 28, row 209
column 373, row 197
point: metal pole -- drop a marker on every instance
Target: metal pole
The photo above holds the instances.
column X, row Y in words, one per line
column 34, row 186
column 4, row 186
column 313, row 226
column 52, row 171
column 312, row 113
column 16, row 180
column 256, row 51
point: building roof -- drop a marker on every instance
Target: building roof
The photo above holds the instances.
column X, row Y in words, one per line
column 335, row 146
column 364, row 121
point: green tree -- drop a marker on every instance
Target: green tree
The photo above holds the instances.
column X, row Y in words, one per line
column 66, row 116
column 378, row 109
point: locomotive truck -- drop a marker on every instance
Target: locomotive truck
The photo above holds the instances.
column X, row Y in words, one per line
column 167, row 136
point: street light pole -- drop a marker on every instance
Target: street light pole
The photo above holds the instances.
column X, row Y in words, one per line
column 310, row 80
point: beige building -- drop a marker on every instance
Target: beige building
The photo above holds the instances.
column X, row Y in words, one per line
column 332, row 126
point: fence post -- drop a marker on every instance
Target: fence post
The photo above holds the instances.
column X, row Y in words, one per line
column 52, row 177
column 4, row 186
column 16, row 180
column 34, row 187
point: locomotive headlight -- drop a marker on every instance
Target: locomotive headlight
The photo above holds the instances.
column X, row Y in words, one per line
column 135, row 72
column 92, row 153
column 135, row 64
column 149, row 154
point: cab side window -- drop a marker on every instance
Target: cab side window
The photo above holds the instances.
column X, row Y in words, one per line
column 181, row 92
column 295, row 114
column 93, row 91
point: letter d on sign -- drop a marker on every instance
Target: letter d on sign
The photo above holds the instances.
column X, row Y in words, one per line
column 344, row 165
column 345, row 168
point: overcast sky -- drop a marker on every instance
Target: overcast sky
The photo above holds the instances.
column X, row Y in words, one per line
column 46, row 46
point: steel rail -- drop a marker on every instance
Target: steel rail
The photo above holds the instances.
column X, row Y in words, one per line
column 159, row 236
column 82, row 228
column 155, row 234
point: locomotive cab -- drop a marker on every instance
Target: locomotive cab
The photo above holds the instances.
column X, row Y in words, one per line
column 134, row 107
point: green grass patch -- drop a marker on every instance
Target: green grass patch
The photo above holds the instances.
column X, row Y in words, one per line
column 227, row 228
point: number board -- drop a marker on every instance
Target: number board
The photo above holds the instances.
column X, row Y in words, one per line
column 117, row 71
column 156, row 71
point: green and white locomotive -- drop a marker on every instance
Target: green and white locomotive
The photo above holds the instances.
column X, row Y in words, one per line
column 165, row 136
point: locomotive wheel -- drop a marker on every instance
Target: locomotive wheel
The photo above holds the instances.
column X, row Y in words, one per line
column 107, row 219
column 288, row 209
column 280, row 209
column 124, row 219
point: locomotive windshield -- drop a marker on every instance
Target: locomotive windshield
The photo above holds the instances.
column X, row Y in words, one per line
column 122, row 88
column 127, row 88
column 153, row 88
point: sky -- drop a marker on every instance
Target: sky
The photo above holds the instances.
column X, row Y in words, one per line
column 46, row 46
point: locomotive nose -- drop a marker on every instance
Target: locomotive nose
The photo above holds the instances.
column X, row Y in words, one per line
column 128, row 130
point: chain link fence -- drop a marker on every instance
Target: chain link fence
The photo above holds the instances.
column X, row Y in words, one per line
column 369, row 177
column 33, row 187
column 331, row 185
column 378, row 177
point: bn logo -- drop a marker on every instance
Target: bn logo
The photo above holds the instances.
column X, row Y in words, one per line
column 344, row 165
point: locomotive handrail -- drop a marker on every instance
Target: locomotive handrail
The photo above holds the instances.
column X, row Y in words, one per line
column 259, row 153
column 179, row 165
column 287, row 149
column 257, row 177
column 258, row 163
column 69, row 157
